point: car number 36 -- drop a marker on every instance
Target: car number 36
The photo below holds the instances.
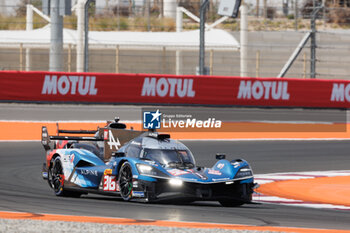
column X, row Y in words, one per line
column 109, row 183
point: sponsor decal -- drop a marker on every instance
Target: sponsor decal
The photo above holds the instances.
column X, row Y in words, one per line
column 190, row 179
column 109, row 183
column 112, row 142
column 108, row 172
column 220, row 165
column 153, row 134
column 88, row 172
column 236, row 164
column 268, row 90
column 135, row 143
column 105, row 134
column 177, row 172
column 138, row 194
column 221, row 179
column 214, row 172
column 151, row 120
column 201, row 176
column 168, row 87
column 69, row 84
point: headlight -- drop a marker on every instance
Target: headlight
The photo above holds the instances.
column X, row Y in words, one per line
column 243, row 172
column 149, row 170
column 145, row 169
column 175, row 182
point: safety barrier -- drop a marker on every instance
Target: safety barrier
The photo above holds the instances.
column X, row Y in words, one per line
column 172, row 89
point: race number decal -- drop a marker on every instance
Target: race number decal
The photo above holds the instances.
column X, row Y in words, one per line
column 112, row 142
column 109, row 183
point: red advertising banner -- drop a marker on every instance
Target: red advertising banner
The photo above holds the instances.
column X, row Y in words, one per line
column 172, row 89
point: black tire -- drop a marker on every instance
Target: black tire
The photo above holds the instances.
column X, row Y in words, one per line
column 56, row 179
column 125, row 181
column 231, row 203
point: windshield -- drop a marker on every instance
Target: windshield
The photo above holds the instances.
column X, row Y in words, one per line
column 170, row 158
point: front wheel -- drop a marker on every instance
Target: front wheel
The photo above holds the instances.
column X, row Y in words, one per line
column 125, row 181
column 56, row 179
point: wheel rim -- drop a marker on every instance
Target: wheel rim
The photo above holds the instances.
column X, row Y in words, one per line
column 125, row 181
column 57, row 176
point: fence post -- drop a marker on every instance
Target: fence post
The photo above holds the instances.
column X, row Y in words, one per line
column 56, row 37
column 179, row 17
column 21, row 57
column 313, row 47
column 211, row 61
column 117, row 59
column 80, row 36
column 304, row 65
column 69, row 57
column 257, row 67
column 244, row 41
column 202, row 14
column 164, row 60
column 29, row 26
column 296, row 14
column 178, row 65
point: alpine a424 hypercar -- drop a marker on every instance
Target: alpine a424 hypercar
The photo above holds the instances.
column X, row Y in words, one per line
column 141, row 166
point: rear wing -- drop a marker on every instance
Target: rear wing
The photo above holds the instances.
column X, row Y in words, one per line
column 77, row 131
column 46, row 138
column 114, row 136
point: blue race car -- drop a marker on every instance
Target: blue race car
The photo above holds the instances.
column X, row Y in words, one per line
column 148, row 167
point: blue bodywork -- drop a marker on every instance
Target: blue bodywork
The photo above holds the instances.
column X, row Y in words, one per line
column 151, row 179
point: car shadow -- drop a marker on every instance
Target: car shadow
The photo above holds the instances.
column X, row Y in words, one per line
column 184, row 202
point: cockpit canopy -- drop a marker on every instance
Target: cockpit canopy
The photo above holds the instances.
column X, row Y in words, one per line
column 170, row 157
column 168, row 153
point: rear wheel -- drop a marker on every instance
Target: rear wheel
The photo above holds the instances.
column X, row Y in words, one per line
column 56, row 179
column 125, row 181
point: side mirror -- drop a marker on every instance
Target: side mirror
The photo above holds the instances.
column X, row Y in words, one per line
column 220, row 156
column 118, row 154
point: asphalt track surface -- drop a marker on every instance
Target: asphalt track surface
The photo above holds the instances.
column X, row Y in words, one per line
column 22, row 188
column 61, row 112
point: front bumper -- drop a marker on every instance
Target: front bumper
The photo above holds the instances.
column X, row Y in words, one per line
column 163, row 190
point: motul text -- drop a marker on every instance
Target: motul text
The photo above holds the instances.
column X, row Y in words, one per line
column 276, row 90
column 168, row 87
column 340, row 92
column 82, row 85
